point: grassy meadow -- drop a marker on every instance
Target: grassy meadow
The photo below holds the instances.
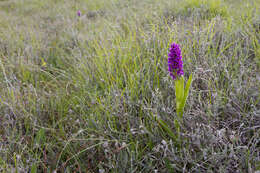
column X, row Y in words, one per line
column 84, row 93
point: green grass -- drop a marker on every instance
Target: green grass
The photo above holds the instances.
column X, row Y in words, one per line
column 84, row 94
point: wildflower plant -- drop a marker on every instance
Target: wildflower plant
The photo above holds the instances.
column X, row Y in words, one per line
column 175, row 68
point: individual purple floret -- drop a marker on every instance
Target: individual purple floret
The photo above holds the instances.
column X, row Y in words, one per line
column 175, row 61
column 79, row 13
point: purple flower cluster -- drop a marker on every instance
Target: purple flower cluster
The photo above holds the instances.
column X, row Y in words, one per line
column 175, row 61
column 79, row 13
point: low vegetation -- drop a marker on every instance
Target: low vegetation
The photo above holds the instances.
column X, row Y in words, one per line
column 83, row 93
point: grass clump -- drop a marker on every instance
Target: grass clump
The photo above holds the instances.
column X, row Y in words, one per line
column 84, row 93
column 202, row 9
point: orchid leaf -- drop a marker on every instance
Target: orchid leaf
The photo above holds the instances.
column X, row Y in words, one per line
column 166, row 128
column 179, row 92
column 186, row 94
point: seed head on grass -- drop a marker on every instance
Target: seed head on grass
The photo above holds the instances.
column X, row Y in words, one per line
column 175, row 61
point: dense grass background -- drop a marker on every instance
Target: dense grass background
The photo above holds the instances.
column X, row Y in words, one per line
column 82, row 93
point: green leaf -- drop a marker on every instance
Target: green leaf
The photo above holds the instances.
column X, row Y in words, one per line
column 34, row 168
column 179, row 93
column 40, row 137
column 179, row 88
column 186, row 94
column 177, row 126
column 166, row 128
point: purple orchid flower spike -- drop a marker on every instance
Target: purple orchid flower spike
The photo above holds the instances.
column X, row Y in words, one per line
column 175, row 64
column 79, row 13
